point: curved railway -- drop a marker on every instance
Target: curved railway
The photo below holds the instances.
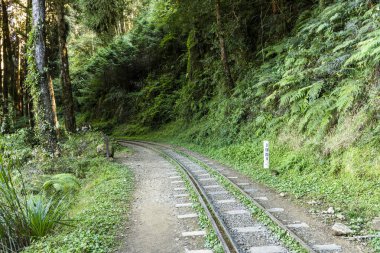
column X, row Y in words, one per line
column 230, row 215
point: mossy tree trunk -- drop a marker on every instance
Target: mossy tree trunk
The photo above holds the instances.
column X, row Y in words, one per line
column 222, row 44
column 43, row 99
column 67, row 92
column 28, row 100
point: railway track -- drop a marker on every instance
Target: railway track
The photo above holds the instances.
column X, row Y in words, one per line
column 229, row 206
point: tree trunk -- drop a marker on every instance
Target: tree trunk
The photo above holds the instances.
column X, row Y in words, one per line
column 67, row 92
column 8, row 67
column 274, row 7
column 1, row 68
column 44, row 100
column 222, row 45
column 53, row 103
column 17, row 95
column 27, row 91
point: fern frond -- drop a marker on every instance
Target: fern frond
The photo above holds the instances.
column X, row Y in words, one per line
column 315, row 90
column 346, row 95
column 61, row 183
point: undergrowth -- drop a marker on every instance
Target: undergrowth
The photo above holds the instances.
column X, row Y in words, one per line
column 74, row 202
column 98, row 212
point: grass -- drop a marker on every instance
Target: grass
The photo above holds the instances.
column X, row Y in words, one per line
column 100, row 209
column 376, row 244
column 354, row 196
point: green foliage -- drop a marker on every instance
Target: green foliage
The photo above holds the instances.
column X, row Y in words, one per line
column 23, row 218
column 18, row 146
column 102, row 16
column 97, row 214
column 376, row 244
column 61, row 184
column 108, row 84
column 43, row 215
column 156, row 100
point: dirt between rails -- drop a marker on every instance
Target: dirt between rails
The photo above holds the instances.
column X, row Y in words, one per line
column 153, row 226
column 319, row 231
column 151, row 219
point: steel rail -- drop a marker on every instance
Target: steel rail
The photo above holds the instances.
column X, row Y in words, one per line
column 228, row 243
column 303, row 243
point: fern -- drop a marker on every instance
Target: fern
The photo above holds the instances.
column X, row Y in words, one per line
column 345, row 45
column 320, row 109
column 346, row 95
column 315, row 90
column 61, row 183
column 271, row 98
column 322, row 27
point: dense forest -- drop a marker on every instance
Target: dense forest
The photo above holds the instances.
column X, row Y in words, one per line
column 219, row 76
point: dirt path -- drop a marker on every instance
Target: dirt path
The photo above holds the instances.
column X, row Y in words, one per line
column 153, row 224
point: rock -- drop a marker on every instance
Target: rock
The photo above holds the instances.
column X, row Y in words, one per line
column 340, row 216
column 283, row 194
column 329, row 211
column 376, row 224
column 313, row 202
column 101, row 150
column 341, row 229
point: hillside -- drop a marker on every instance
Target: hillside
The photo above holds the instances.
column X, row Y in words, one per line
column 311, row 89
column 215, row 77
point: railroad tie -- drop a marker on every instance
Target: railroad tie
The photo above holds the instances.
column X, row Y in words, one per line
column 268, row 249
column 194, row 233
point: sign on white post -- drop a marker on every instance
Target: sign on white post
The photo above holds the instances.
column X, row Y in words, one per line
column 266, row 154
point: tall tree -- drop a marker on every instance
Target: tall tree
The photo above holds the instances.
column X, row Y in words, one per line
column 8, row 77
column 42, row 96
column 222, row 45
column 67, row 92
column 1, row 66
column 28, row 101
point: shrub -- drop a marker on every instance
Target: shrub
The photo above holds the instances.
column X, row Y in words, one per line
column 43, row 215
column 23, row 217
column 61, row 184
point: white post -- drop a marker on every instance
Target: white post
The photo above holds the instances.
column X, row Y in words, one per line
column 266, row 154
